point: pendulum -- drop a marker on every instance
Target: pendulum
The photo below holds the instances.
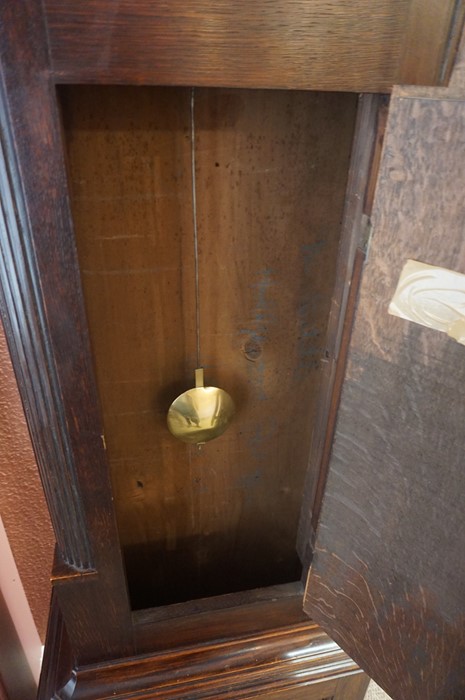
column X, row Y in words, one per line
column 204, row 412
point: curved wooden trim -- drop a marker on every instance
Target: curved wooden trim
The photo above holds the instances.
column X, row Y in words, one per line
column 278, row 660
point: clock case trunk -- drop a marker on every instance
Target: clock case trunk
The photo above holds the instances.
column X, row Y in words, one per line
column 45, row 320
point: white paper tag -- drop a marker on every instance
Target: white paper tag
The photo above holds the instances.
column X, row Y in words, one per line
column 431, row 296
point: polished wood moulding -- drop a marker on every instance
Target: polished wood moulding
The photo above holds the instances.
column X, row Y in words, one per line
column 289, row 658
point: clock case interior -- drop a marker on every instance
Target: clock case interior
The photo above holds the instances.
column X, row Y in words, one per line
column 271, row 176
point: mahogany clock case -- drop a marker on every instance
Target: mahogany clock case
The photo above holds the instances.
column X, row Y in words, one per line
column 97, row 284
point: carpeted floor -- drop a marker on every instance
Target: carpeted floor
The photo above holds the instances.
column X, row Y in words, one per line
column 374, row 692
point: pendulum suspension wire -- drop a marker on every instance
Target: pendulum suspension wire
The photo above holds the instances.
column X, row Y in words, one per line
column 194, row 222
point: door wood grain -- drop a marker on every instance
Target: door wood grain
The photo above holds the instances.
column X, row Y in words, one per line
column 388, row 577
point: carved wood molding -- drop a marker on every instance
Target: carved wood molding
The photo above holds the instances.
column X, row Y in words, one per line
column 25, row 315
column 57, row 662
column 46, row 327
column 289, row 658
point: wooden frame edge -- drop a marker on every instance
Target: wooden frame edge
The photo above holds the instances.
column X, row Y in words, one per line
column 354, row 229
column 45, row 325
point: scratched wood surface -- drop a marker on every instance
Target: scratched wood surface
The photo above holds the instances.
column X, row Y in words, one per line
column 361, row 45
column 388, row 578
column 271, row 177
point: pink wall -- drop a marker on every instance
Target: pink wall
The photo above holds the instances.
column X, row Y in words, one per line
column 22, row 504
column 12, row 591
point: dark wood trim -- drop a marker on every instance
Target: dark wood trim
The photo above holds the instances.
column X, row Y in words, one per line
column 320, row 45
column 355, row 230
column 57, row 664
column 23, row 308
column 269, row 646
column 288, row 659
column 153, row 632
column 219, row 602
column 337, row 387
column 46, row 328
column 457, row 77
column 457, row 25
column 377, row 148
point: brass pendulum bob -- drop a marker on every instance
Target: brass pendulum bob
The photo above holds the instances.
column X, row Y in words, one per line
column 200, row 414
column 203, row 413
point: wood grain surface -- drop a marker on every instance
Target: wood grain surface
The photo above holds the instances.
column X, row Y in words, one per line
column 457, row 79
column 432, row 30
column 387, row 580
column 362, row 45
column 275, row 663
column 270, row 650
column 271, row 177
column 354, row 232
column 58, row 661
column 219, row 618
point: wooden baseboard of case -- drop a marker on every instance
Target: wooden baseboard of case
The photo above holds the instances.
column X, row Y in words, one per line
column 297, row 660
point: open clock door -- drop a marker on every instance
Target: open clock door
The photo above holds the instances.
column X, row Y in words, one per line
column 387, row 580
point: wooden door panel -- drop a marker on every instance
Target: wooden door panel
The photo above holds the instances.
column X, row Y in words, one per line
column 388, row 577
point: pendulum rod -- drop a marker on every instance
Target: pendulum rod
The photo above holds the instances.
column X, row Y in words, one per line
column 194, row 222
column 202, row 413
